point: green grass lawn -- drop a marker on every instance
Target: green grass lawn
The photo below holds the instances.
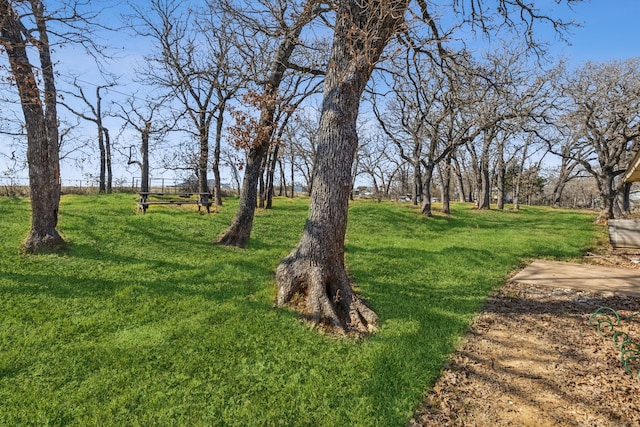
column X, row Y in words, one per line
column 145, row 322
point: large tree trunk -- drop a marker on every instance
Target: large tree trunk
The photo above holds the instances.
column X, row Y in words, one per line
column 313, row 276
column 626, row 199
column 41, row 125
column 558, row 189
column 484, row 198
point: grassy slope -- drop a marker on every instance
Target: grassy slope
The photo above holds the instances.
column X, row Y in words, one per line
column 145, row 322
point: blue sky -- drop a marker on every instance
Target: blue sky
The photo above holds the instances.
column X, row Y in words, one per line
column 609, row 31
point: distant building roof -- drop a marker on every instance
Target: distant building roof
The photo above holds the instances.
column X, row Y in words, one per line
column 633, row 170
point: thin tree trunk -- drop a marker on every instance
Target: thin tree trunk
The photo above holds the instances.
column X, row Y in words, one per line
column 416, row 192
column 484, row 198
column 107, row 147
column 144, row 149
column 426, row 199
column 240, row 229
column 501, row 176
column 446, row 186
column 271, row 171
column 292, row 171
column 283, row 182
column 102, row 184
column 517, row 190
column 203, row 159
column 460, row 181
column 217, row 190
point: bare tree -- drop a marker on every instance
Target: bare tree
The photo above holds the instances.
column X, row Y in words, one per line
column 25, row 25
column 423, row 116
column 313, row 275
column 196, row 61
column 94, row 115
column 605, row 116
column 144, row 119
column 375, row 161
column 259, row 138
column 40, row 116
column 299, row 88
column 301, row 143
column 315, row 270
column 569, row 165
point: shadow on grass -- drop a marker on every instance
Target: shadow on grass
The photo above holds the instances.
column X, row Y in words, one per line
column 533, row 346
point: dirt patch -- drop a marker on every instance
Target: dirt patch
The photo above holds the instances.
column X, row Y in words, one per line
column 532, row 359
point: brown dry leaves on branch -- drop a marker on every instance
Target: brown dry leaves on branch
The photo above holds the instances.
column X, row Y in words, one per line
column 532, row 359
column 249, row 130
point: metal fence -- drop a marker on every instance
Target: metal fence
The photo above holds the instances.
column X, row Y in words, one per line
column 13, row 186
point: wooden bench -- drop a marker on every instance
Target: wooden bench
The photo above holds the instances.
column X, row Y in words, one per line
column 202, row 200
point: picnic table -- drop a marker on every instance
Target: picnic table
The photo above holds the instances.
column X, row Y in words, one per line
column 147, row 198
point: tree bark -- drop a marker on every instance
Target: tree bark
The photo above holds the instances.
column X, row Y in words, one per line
column 484, row 198
column 460, row 181
column 313, row 277
column 203, row 158
column 240, row 229
column 217, row 190
column 283, row 182
column 144, row 149
column 563, row 177
column 261, row 182
column 626, row 199
column 102, row 184
column 107, row 148
column 446, row 185
column 41, row 126
column 417, row 189
column 271, row 171
column 426, row 190
column 607, row 194
column 501, row 175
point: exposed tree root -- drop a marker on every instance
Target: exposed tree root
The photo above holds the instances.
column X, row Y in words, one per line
column 323, row 295
column 234, row 237
column 36, row 244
